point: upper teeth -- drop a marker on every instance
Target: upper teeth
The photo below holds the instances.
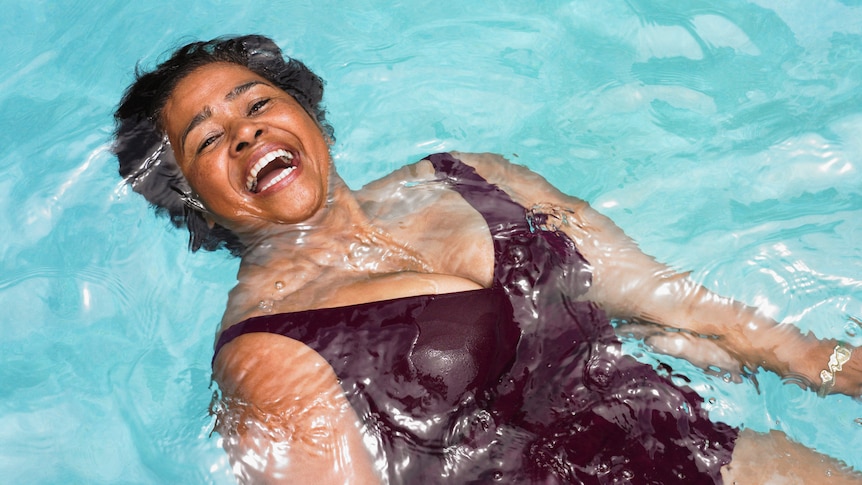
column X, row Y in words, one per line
column 265, row 160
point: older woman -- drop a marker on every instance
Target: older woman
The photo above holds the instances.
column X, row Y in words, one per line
column 446, row 323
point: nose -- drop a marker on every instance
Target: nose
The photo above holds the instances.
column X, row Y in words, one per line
column 245, row 135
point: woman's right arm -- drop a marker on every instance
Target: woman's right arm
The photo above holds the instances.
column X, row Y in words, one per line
column 285, row 418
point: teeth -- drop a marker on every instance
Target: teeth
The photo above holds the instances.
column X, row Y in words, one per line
column 265, row 160
column 284, row 173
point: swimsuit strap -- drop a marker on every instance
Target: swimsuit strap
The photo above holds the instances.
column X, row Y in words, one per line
column 512, row 229
column 506, row 219
column 504, row 216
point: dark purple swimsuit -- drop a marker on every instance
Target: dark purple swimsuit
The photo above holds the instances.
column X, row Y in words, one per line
column 517, row 383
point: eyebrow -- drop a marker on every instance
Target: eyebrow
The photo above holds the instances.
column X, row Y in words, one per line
column 241, row 89
column 198, row 119
column 207, row 111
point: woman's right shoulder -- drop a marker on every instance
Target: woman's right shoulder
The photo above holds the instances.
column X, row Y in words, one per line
column 283, row 407
column 271, row 371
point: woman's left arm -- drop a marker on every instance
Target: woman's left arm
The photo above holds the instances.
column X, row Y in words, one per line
column 631, row 285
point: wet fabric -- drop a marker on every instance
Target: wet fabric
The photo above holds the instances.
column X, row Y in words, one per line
column 517, row 383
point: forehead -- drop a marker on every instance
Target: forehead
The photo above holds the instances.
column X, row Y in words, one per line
column 215, row 74
column 203, row 87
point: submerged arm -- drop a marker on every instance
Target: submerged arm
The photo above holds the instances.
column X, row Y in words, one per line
column 631, row 285
column 285, row 416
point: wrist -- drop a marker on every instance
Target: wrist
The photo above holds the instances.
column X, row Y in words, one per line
column 832, row 368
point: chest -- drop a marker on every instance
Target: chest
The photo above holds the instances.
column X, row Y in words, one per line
column 450, row 236
column 433, row 242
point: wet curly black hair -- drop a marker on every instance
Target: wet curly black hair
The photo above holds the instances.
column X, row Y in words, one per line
column 145, row 157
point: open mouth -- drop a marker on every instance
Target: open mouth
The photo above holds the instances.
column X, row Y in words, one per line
column 271, row 169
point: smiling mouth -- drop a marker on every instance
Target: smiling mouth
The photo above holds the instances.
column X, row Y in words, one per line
column 271, row 169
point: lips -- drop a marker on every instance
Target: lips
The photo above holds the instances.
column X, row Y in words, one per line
column 270, row 169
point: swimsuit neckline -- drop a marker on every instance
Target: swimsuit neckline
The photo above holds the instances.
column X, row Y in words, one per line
column 366, row 304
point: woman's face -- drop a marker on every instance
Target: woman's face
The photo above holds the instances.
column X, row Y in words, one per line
column 248, row 149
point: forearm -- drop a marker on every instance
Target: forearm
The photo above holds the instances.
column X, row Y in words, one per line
column 754, row 339
column 632, row 285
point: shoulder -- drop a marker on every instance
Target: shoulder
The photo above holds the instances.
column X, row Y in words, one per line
column 270, row 370
column 525, row 186
column 495, row 168
column 522, row 184
column 420, row 170
column 491, row 166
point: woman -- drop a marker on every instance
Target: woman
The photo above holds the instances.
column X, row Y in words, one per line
column 446, row 323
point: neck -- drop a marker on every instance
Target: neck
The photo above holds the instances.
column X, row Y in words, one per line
column 340, row 236
column 340, row 245
column 339, row 216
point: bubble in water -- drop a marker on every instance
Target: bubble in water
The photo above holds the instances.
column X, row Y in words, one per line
column 265, row 305
column 279, row 285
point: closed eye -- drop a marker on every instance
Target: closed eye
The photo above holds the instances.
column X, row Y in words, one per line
column 207, row 142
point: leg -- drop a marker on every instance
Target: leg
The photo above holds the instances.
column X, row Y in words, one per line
column 772, row 459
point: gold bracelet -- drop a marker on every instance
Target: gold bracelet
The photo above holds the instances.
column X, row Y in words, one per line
column 840, row 356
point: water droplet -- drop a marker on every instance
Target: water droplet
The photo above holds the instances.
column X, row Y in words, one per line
column 279, row 285
column 265, row 305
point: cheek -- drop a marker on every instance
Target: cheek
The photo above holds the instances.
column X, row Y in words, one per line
column 208, row 181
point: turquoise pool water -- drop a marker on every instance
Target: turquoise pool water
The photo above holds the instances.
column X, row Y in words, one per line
column 724, row 136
